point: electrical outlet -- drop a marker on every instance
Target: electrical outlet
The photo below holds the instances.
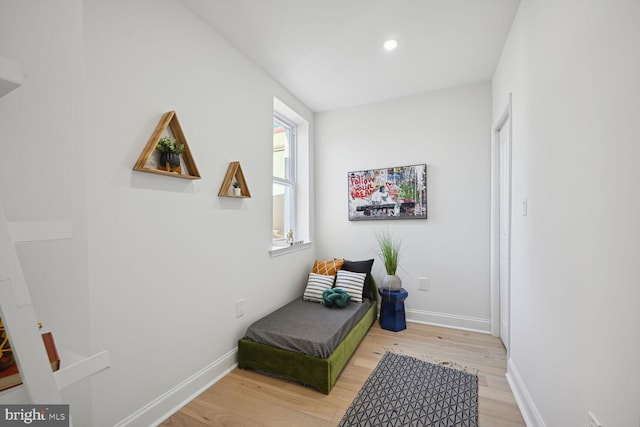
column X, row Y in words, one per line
column 240, row 308
column 423, row 284
column 593, row 422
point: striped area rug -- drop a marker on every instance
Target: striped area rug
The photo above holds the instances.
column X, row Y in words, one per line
column 405, row 391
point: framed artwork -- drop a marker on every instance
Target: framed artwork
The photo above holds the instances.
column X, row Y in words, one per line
column 390, row 193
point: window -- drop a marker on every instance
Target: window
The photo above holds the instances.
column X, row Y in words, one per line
column 284, row 177
column 291, row 183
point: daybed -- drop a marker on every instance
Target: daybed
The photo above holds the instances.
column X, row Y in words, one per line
column 295, row 341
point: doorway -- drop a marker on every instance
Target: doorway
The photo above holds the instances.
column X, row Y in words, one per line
column 501, row 208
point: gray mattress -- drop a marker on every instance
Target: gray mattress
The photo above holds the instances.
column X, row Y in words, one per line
column 307, row 327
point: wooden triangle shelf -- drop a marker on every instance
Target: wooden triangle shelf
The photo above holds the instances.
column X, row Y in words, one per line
column 234, row 175
column 148, row 160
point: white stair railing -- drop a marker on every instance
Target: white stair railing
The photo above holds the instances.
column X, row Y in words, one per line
column 18, row 315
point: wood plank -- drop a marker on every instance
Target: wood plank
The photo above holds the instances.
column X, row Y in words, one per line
column 248, row 398
column 165, row 173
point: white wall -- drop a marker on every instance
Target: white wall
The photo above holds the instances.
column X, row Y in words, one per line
column 156, row 263
column 573, row 69
column 42, row 176
column 168, row 258
column 448, row 130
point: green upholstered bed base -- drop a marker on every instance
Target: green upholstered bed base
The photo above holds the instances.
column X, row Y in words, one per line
column 313, row 371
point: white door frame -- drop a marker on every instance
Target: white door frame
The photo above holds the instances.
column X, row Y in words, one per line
column 504, row 118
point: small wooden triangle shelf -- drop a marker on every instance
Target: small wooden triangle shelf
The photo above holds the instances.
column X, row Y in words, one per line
column 234, row 175
column 148, row 161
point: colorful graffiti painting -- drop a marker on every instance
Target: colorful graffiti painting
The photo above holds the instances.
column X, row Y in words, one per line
column 389, row 193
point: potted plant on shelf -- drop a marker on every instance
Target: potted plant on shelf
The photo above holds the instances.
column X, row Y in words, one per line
column 237, row 191
column 170, row 151
column 389, row 251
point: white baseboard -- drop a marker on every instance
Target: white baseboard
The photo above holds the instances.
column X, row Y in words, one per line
column 173, row 400
column 465, row 323
column 532, row 417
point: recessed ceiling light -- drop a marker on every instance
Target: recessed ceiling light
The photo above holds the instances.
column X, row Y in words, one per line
column 390, row 44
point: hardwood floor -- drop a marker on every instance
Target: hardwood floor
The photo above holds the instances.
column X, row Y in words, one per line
column 247, row 398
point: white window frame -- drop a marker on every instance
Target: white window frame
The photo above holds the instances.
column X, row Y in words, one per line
column 290, row 175
column 300, row 176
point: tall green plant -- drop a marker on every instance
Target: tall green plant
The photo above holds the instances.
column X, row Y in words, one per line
column 389, row 250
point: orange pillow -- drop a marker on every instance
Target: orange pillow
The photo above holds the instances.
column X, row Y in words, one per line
column 328, row 268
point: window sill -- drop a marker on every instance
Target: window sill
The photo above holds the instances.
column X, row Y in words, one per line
column 283, row 250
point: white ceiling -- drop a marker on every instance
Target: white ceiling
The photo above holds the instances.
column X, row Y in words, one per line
column 329, row 53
